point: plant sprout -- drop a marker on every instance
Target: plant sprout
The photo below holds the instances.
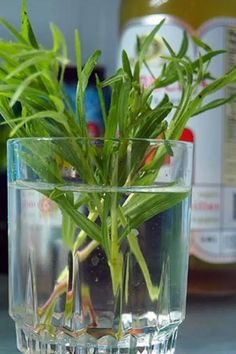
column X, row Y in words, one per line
column 32, row 78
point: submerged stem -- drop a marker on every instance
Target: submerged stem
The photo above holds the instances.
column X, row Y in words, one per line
column 116, row 258
column 82, row 234
column 135, row 249
column 86, row 251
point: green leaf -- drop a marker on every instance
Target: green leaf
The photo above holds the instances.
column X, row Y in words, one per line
column 170, row 49
column 59, row 104
column 200, row 73
column 214, row 104
column 126, row 64
column 72, row 152
column 89, row 68
column 207, row 58
column 123, row 108
column 168, row 148
column 83, row 79
column 68, row 230
column 147, row 42
column 137, row 71
column 142, row 207
column 7, row 112
column 13, row 30
column 173, row 75
column 21, row 88
column 10, row 62
column 104, row 224
column 229, row 78
column 78, row 54
column 26, row 28
column 112, row 120
column 136, row 250
column 201, row 44
column 113, row 79
column 29, row 63
column 58, row 117
column 150, row 121
column 92, row 230
column 44, row 169
column 59, row 43
column 101, row 99
column 58, row 40
column 184, row 46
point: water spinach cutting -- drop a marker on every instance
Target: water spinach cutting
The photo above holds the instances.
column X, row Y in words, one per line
column 32, row 79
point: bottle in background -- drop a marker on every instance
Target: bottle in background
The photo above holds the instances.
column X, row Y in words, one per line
column 213, row 227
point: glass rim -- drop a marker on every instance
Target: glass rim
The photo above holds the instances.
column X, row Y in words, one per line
column 189, row 144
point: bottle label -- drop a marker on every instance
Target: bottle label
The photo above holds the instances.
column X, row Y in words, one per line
column 213, row 225
column 37, row 209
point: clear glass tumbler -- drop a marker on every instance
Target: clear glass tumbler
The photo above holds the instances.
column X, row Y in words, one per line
column 98, row 243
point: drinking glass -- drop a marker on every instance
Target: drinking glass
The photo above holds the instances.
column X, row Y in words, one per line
column 98, row 243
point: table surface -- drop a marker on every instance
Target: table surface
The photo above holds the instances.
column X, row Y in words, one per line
column 209, row 327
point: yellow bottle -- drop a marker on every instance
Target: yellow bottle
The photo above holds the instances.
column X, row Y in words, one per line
column 213, row 227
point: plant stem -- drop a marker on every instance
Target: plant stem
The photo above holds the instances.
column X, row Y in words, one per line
column 135, row 249
column 82, row 234
column 83, row 254
column 62, row 282
column 59, row 289
column 116, row 260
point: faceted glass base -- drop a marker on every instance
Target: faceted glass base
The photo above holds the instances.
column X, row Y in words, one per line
column 32, row 343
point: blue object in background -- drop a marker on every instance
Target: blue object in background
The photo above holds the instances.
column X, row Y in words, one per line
column 93, row 113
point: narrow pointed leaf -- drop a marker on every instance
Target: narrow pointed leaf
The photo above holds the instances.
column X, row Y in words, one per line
column 13, row 31
column 126, row 64
column 26, row 28
column 147, row 42
column 214, row 104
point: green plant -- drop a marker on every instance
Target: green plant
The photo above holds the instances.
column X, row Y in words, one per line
column 4, row 132
column 32, row 76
